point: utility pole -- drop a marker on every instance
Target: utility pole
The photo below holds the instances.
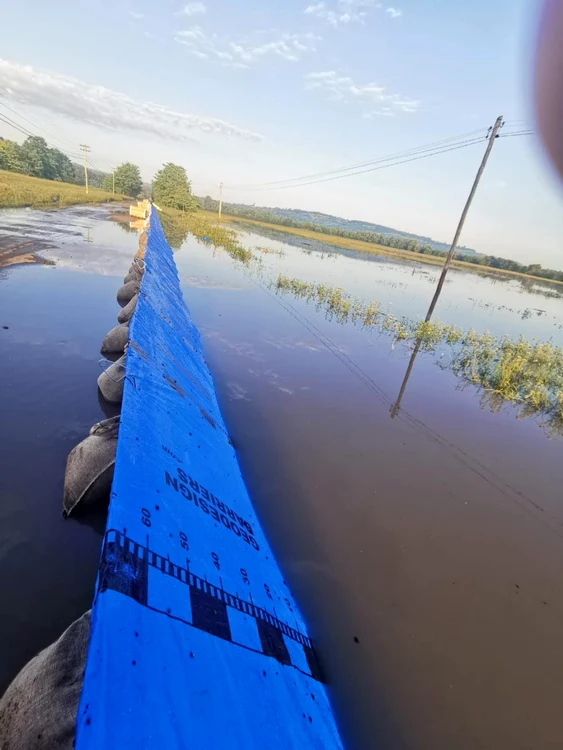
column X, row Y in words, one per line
column 220, row 200
column 492, row 136
column 493, row 133
column 113, row 178
column 85, row 150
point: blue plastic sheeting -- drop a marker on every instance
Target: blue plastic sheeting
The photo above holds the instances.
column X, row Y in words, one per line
column 196, row 641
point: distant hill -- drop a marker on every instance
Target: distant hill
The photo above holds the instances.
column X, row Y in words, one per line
column 352, row 225
column 265, row 213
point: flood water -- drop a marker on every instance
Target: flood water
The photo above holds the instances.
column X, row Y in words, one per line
column 425, row 551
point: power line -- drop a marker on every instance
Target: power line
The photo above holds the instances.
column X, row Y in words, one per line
column 25, row 131
column 35, row 125
column 399, row 154
column 512, row 135
column 434, row 152
column 13, row 124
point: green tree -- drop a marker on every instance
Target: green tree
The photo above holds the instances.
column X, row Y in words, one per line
column 10, row 156
column 107, row 183
column 60, row 166
column 128, row 179
column 172, row 188
column 36, row 158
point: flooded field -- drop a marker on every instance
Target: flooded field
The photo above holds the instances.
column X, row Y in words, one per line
column 425, row 550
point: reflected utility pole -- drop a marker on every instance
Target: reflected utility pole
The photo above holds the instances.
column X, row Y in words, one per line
column 492, row 136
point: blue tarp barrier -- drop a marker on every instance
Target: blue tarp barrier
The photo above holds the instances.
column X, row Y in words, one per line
column 196, row 641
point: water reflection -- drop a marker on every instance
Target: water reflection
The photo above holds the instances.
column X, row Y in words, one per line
column 376, row 521
column 175, row 232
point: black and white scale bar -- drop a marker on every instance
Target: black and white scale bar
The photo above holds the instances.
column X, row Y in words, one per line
column 125, row 568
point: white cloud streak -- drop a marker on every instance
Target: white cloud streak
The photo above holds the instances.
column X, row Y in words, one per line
column 246, row 52
column 137, row 16
column 102, row 107
column 375, row 99
column 344, row 12
column 193, row 9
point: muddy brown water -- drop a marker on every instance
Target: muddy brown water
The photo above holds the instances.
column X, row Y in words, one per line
column 426, row 551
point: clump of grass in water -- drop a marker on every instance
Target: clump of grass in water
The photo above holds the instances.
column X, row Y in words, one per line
column 529, row 374
column 270, row 251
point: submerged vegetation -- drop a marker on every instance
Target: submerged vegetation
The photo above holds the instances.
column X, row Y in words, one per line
column 529, row 374
column 178, row 224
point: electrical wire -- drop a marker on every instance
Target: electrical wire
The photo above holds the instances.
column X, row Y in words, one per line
column 25, row 131
column 390, row 157
column 396, row 155
column 8, row 121
column 11, row 123
column 512, row 135
column 35, row 125
column 433, row 152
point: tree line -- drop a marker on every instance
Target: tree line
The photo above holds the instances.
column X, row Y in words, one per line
column 35, row 158
column 387, row 240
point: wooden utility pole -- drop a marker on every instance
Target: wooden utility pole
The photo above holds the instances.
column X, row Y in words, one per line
column 492, row 137
column 113, row 183
column 220, row 200
column 85, row 150
column 497, row 126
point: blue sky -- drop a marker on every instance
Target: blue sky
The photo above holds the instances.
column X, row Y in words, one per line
column 250, row 92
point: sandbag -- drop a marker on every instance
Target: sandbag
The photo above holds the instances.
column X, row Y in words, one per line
column 126, row 292
column 116, row 340
column 127, row 312
column 131, row 276
column 138, row 263
column 135, row 273
column 89, row 467
column 111, row 380
column 38, row 710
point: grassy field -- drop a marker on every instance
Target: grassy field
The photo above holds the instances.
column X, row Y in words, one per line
column 368, row 247
column 20, row 190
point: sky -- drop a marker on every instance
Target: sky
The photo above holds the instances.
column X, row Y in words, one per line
column 257, row 91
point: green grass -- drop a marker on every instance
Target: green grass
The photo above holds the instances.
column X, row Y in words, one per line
column 528, row 374
column 374, row 249
column 20, row 190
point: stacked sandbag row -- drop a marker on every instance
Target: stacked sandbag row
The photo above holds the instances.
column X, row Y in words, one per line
column 89, row 466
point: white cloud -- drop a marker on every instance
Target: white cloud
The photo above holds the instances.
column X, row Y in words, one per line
column 245, row 52
column 136, row 15
column 103, row 107
column 374, row 98
column 344, row 12
column 193, row 9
